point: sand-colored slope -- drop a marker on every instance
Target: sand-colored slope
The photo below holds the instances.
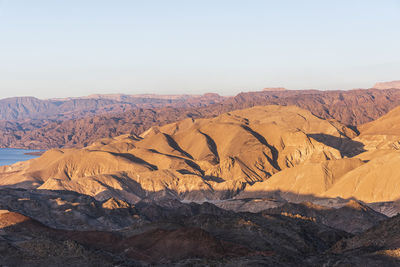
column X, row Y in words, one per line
column 303, row 182
column 377, row 180
column 191, row 159
column 372, row 176
column 383, row 133
column 387, row 124
column 374, row 180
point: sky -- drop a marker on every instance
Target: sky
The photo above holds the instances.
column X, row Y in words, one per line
column 60, row 48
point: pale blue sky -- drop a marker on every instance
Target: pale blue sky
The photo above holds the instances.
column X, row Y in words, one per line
column 59, row 48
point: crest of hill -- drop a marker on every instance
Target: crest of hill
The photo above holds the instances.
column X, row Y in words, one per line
column 383, row 133
column 126, row 97
column 385, row 125
column 373, row 180
column 274, row 89
column 191, row 159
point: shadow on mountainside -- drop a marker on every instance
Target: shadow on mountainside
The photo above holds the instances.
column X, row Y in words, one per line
column 135, row 159
column 23, row 185
column 171, row 231
column 346, row 146
column 262, row 140
column 113, row 208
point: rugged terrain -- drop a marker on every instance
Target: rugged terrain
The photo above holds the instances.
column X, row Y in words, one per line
column 353, row 108
column 28, row 122
column 56, row 228
column 269, row 185
column 194, row 159
column 167, row 233
column 31, row 108
column 261, row 152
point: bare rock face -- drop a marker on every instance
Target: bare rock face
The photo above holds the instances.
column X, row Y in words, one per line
column 388, row 85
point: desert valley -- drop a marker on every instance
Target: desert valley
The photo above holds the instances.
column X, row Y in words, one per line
column 269, row 178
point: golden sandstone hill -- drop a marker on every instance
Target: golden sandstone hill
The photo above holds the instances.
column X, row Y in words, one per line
column 252, row 153
column 191, row 159
column 371, row 176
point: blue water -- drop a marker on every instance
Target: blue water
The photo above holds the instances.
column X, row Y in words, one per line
column 11, row 155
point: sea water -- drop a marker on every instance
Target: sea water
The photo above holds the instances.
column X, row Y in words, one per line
column 12, row 155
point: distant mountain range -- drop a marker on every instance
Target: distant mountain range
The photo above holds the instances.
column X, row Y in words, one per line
column 79, row 122
column 22, row 108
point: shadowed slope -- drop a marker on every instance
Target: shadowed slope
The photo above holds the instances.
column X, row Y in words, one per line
column 377, row 180
column 352, row 217
column 306, row 179
column 158, row 233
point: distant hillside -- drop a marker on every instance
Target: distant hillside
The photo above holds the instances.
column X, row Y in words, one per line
column 353, row 107
column 22, row 108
